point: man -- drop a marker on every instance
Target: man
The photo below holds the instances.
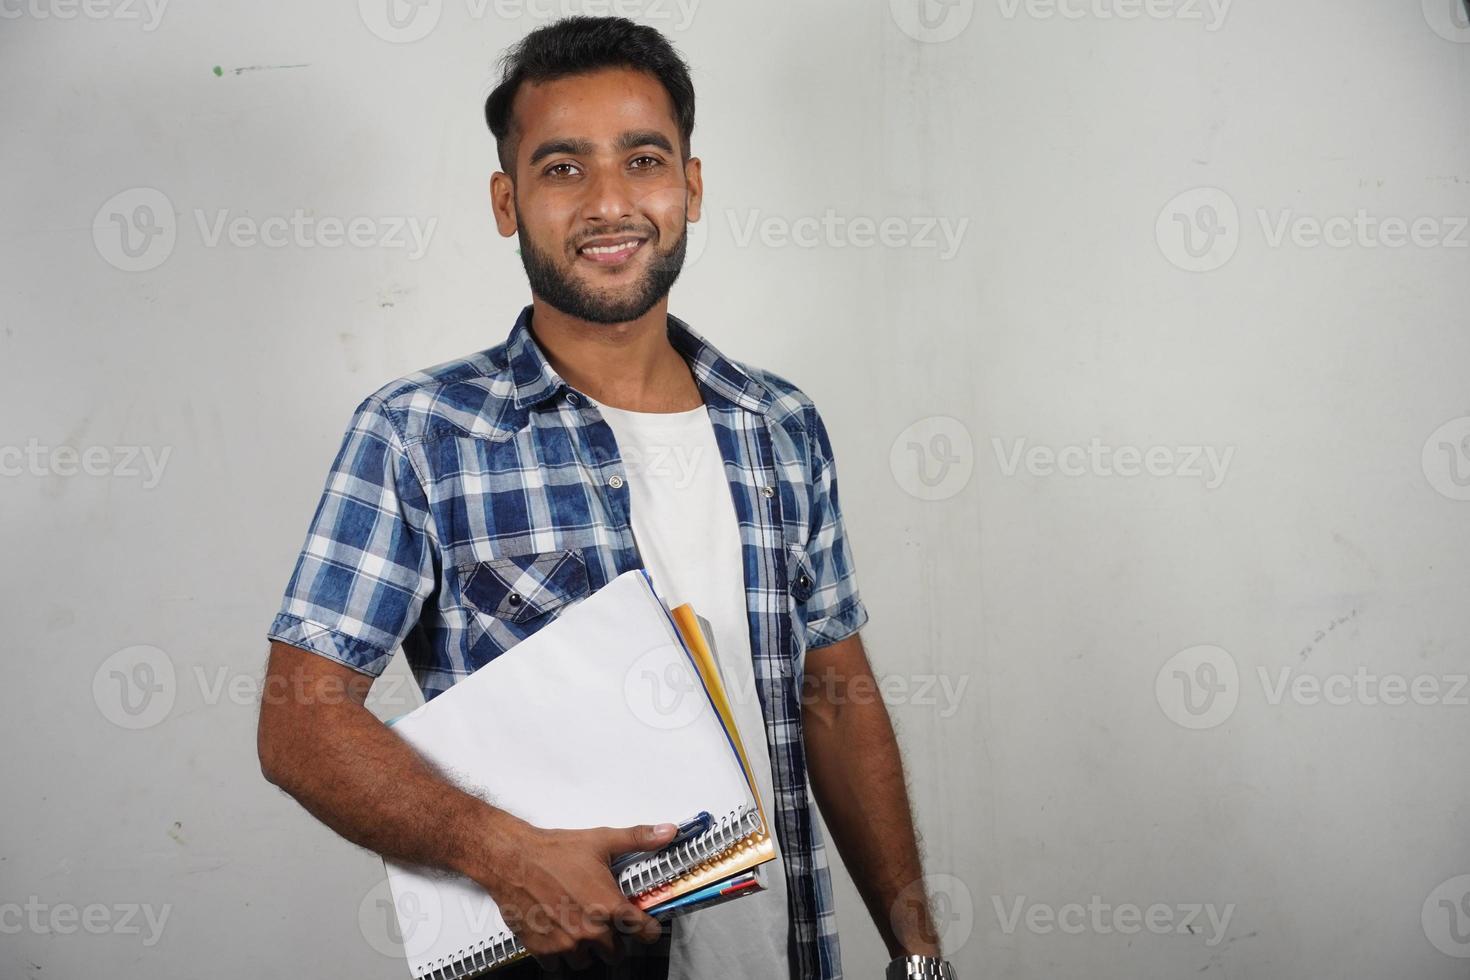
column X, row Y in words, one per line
column 521, row 462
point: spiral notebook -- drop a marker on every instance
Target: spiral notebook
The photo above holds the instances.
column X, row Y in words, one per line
column 752, row 852
column 615, row 669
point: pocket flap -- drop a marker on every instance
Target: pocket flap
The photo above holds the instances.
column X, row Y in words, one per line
column 800, row 577
column 521, row 587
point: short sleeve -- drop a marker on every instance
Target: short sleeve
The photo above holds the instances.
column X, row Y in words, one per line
column 835, row 608
column 367, row 564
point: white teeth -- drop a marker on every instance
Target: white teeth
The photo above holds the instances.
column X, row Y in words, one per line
column 609, row 249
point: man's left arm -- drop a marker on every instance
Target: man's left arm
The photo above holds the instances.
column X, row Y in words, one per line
column 853, row 760
column 857, row 776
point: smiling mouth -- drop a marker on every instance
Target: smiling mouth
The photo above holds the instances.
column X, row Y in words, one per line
column 611, row 251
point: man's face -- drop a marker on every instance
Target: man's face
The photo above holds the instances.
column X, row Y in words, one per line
column 601, row 195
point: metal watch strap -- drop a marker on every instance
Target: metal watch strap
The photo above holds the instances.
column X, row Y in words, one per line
column 912, row 967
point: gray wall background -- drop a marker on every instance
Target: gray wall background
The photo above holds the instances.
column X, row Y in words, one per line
column 1157, row 469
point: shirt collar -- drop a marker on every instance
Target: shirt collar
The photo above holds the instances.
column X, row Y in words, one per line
column 719, row 378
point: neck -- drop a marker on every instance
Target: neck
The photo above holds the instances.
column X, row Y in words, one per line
column 627, row 365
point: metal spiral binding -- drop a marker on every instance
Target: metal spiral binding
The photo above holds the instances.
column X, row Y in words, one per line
column 661, row 893
column 647, row 874
column 474, row 960
column 670, row 864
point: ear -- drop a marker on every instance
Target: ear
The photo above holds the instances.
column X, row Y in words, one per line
column 502, row 202
column 694, row 178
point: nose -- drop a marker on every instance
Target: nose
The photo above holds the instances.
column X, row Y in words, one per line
column 609, row 196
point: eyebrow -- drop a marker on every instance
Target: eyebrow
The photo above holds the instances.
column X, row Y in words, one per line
column 585, row 147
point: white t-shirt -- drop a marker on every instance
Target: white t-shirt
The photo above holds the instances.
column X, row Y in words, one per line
column 684, row 522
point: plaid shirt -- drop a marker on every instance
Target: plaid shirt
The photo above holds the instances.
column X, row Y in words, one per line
column 473, row 501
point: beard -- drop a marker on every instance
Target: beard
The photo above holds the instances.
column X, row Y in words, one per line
column 553, row 281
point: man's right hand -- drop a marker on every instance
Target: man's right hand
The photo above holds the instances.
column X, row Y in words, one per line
column 558, row 895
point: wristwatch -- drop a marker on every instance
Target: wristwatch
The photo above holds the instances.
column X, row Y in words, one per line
column 907, row 967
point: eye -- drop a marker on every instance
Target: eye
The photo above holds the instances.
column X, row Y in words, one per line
column 563, row 169
column 649, row 162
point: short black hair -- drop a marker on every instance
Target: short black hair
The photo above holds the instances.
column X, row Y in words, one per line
column 578, row 45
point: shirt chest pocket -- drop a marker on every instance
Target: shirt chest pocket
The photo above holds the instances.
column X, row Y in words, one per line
column 524, row 588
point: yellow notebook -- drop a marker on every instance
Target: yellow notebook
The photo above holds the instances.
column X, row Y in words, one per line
column 756, row 848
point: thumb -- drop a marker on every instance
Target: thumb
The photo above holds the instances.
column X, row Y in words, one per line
column 643, row 837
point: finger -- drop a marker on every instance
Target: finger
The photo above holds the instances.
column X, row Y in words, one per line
column 642, row 837
column 605, row 954
column 602, row 942
column 637, row 923
column 621, row 947
column 578, row 958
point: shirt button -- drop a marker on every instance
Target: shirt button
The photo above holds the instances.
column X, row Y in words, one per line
column 514, row 599
column 768, row 491
column 614, row 481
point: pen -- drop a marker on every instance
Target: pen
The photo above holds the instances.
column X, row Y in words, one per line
column 708, row 895
column 691, row 828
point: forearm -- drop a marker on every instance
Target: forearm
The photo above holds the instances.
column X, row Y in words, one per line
column 352, row 773
column 857, row 777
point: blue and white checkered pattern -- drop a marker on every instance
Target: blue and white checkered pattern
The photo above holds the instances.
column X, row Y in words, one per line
column 474, row 500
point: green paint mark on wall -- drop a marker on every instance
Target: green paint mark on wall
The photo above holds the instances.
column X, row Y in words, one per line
column 218, row 71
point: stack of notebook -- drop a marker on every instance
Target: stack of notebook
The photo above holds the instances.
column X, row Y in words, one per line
column 613, row 715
